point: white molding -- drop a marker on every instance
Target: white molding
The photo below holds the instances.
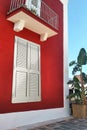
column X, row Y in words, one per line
column 19, row 25
column 19, row 92
column 43, row 37
column 65, row 50
column 64, row 1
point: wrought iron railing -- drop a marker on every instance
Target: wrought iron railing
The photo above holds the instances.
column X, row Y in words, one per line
column 46, row 13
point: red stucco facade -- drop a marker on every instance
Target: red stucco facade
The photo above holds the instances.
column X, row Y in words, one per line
column 51, row 63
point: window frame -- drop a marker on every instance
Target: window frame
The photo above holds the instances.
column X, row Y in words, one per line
column 28, row 71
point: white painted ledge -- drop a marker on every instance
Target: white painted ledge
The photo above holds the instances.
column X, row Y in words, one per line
column 13, row 120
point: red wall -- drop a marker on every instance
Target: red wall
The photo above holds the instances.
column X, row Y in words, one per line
column 51, row 63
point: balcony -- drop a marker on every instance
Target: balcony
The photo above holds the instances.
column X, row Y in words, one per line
column 40, row 19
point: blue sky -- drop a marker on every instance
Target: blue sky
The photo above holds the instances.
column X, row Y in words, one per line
column 77, row 21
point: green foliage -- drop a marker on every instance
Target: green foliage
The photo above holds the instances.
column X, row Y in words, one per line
column 82, row 57
column 72, row 63
column 77, row 89
column 84, row 77
column 76, row 68
column 77, row 83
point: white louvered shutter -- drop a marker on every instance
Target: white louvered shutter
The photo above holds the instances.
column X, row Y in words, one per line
column 26, row 73
column 34, row 74
column 19, row 93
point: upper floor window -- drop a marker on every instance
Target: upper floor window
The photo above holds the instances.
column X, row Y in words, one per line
column 34, row 6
